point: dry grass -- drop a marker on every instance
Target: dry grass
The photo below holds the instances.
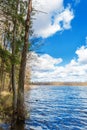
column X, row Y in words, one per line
column 5, row 106
column 5, row 93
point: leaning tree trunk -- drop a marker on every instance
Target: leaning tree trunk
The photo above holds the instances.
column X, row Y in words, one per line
column 20, row 99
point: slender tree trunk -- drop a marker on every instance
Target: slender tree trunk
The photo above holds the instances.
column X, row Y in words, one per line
column 2, row 74
column 3, row 79
column 13, row 64
column 14, row 88
column 10, row 82
column 13, row 69
column 20, row 99
column 3, row 66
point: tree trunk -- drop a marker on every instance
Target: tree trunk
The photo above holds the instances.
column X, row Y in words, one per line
column 14, row 88
column 2, row 74
column 20, row 99
column 13, row 64
column 13, row 69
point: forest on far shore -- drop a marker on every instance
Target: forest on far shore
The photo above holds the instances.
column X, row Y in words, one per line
column 60, row 83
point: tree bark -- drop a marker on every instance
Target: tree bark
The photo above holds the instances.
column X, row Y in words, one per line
column 20, row 99
column 14, row 89
column 13, row 64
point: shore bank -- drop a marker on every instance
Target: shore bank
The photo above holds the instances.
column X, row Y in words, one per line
column 59, row 83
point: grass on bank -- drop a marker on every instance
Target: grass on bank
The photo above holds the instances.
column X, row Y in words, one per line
column 5, row 106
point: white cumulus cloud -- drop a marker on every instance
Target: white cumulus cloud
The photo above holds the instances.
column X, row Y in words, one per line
column 51, row 17
column 44, row 62
column 46, row 68
column 82, row 54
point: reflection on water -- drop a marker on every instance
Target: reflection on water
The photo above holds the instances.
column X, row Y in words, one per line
column 17, row 126
column 57, row 108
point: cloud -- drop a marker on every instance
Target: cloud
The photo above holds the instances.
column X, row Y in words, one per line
column 44, row 62
column 55, row 17
column 82, row 55
column 46, row 68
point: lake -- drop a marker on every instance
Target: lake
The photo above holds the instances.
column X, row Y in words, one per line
column 56, row 108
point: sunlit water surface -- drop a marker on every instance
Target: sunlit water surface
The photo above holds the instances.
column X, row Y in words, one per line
column 57, row 108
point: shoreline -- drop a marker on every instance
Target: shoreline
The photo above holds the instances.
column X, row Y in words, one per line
column 35, row 85
column 59, row 84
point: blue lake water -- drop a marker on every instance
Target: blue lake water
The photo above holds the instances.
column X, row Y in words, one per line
column 57, row 108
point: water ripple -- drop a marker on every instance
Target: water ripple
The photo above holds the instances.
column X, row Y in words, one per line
column 57, row 108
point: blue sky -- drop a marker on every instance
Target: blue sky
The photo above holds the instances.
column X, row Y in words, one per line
column 63, row 31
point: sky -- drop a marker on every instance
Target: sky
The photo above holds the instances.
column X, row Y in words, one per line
column 60, row 26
